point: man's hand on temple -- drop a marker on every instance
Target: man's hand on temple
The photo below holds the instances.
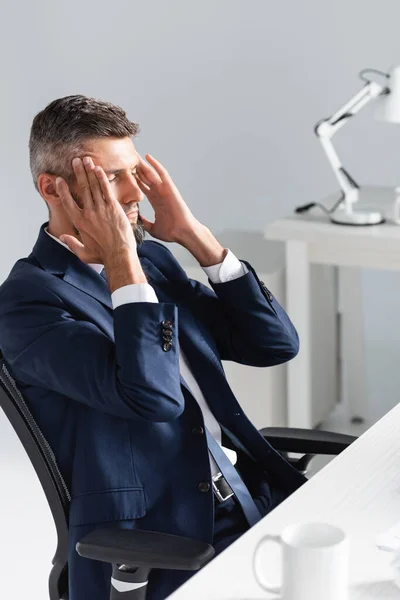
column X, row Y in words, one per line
column 105, row 230
column 173, row 220
column 103, row 226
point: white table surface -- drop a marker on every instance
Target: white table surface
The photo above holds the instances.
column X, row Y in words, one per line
column 374, row 246
column 359, row 491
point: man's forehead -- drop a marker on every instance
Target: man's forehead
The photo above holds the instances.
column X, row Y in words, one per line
column 112, row 155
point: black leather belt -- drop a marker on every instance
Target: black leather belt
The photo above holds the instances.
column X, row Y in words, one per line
column 221, row 488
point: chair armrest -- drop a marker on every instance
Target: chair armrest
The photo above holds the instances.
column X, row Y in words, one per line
column 307, row 441
column 147, row 549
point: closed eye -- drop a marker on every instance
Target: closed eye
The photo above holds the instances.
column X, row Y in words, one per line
column 134, row 172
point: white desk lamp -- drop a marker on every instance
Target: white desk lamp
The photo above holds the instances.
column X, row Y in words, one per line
column 345, row 210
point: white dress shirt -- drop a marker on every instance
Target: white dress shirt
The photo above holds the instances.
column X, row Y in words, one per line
column 231, row 268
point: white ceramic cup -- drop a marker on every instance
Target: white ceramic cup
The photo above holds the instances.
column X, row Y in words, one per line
column 315, row 563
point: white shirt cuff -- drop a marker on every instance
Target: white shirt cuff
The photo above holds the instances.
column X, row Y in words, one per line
column 231, row 268
column 134, row 292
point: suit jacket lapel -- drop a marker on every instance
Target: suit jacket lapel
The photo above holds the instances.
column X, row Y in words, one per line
column 60, row 261
column 86, row 279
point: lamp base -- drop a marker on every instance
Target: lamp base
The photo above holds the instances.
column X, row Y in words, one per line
column 360, row 218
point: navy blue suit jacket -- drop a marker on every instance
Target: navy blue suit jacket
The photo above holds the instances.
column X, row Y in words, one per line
column 111, row 401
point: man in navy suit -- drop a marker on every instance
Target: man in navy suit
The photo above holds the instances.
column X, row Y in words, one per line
column 118, row 353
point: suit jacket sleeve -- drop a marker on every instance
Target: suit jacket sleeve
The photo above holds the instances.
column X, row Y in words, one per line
column 132, row 377
column 249, row 325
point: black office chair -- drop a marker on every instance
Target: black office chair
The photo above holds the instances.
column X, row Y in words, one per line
column 132, row 553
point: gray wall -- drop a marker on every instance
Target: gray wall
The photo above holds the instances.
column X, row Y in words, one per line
column 227, row 93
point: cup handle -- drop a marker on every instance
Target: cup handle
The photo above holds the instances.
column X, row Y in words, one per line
column 266, row 585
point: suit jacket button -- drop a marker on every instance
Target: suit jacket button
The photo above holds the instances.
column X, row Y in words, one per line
column 266, row 290
column 167, row 337
column 167, row 346
column 198, row 430
column 204, row 486
column 166, row 323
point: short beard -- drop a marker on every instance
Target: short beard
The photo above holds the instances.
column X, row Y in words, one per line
column 138, row 230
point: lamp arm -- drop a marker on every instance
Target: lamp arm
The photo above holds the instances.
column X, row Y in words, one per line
column 326, row 129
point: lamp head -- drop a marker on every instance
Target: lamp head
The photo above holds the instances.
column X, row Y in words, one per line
column 387, row 107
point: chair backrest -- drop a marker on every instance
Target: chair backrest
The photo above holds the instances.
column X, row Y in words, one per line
column 45, row 465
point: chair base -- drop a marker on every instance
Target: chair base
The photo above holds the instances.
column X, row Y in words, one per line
column 128, row 583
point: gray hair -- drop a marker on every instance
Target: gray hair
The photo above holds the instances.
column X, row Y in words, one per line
column 59, row 132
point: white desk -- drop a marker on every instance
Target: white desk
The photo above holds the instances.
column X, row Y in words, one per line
column 313, row 239
column 359, row 491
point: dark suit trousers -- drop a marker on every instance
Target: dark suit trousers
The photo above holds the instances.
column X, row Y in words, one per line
column 229, row 524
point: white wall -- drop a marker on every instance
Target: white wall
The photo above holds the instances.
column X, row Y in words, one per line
column 227, row 93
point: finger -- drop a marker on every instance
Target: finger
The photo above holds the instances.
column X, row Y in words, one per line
column 104, row 185
column 148, row 172
column 147, row 225
column 70, row 205
column 73, row 244
column 140, row 173
column 83, row 183
column 142, row 186
column 94, row 183
column 161, row 171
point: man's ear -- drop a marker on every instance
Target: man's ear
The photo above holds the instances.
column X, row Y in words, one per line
column 47, row 189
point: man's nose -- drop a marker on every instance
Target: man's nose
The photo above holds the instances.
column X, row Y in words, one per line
column 131, row 191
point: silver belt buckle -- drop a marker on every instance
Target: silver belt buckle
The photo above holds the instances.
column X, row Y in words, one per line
column 216, row 489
